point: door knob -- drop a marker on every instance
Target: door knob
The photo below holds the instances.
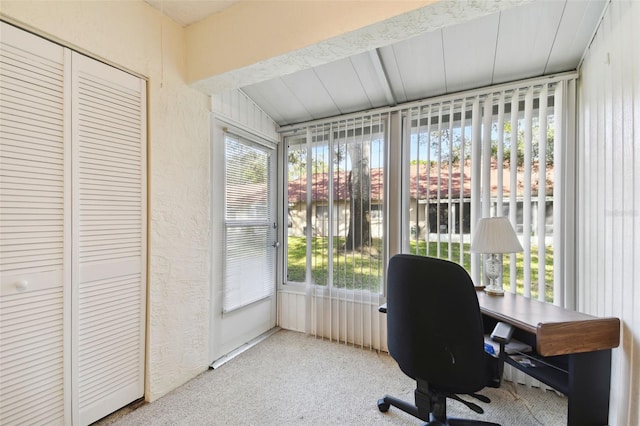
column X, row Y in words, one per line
column 276, row 244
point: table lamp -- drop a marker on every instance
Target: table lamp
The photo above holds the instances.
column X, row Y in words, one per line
column 495, row 236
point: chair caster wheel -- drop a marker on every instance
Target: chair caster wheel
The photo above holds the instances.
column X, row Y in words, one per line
column 383, row 406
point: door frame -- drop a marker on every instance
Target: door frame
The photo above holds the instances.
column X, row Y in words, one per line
column 219, row 126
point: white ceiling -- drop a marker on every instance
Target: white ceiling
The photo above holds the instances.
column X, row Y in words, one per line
column 187, row 12
column 535, row 39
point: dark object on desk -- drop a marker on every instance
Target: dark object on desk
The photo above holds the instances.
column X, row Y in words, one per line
column 435, row 334
column 502, row 333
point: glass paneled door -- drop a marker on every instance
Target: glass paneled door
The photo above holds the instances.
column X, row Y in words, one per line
column 248, row 296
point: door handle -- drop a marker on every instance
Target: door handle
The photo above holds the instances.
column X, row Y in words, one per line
column 21, row 285
column 275, row 244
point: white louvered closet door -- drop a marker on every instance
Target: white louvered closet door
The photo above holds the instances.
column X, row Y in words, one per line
column 34, row 249
column 72, row 234
column 109, row 238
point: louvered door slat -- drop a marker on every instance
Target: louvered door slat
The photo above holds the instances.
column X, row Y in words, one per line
column 39, row 302
column 20, row 107
column 39, row 164
column 97, row 233
column 110, row 381
column 38, row 68
column 97, row 204
column 115, row 146
column 109, row 254
column 38, row 211
column 20, row 150
column 28, row 136
column 14, row 353
column 45, row 349
column 28, row 92
column 100, row 129
column 99, row 344
column 31, row 230
column 104, row 92
column 99, row 174
column 19, row 194
column 103, row 111
column 12, row 254
column 32, row 200
column 49, row 410
column 100, row 163
column 99, row 159
column 32, row 346
column 29, row 85
column 21, row 100
column 96, row 163
column 34, row 375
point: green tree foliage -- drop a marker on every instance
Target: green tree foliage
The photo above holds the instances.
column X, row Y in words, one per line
column 297, row 163
column 253, row 167
column 520, row 143
column 445, row 145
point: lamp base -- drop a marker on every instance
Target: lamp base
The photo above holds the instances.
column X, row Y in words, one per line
column 494, row 291
column 493, row 269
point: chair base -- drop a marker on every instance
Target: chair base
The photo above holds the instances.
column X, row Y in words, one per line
column 385, row 403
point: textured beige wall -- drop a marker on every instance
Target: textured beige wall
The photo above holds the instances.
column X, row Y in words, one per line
column 127, row 34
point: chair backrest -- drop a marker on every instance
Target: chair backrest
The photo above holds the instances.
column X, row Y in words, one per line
column 434, row 324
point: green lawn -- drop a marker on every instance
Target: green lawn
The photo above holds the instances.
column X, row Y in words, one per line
column 354, row 270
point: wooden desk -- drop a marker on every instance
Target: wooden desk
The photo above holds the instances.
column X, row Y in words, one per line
column 572, row 351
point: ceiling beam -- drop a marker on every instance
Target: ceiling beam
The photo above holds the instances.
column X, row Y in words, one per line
column 252, row 42
column 382, row 76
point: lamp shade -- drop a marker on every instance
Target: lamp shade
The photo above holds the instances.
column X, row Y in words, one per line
column 495, row 235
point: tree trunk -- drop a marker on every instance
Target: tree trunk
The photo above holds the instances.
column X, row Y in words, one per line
column 359, row 234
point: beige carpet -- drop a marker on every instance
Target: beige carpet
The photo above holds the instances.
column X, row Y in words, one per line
column 295, row 379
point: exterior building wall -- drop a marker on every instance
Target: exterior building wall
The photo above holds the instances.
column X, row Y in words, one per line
column 418, row 214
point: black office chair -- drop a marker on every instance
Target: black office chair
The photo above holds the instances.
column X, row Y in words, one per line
column 436, row 336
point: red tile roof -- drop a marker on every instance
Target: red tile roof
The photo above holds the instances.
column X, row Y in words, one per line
column 420, row 183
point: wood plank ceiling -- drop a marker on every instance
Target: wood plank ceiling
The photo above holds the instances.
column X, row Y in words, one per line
column 535, row 39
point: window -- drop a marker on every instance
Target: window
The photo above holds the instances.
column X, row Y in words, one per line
column 334, row 194
column 416, row 179
column 249, row 224
column 376, row 213
column 493, row 154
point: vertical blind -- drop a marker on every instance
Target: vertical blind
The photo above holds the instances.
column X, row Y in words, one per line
column 336, row 227
column 249, row 224
column 499, row 151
